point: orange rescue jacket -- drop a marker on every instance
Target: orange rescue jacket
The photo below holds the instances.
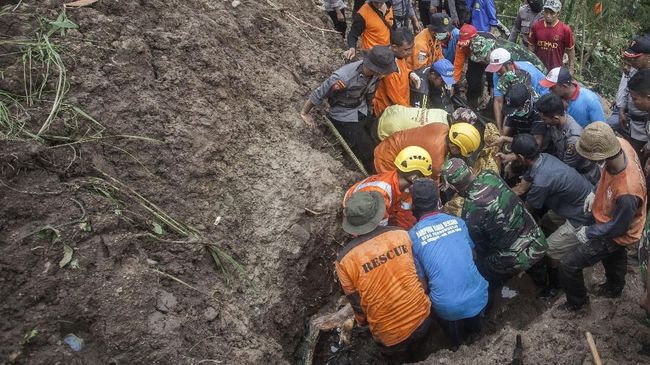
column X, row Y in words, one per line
column 393, row 89
column 380, row 269
column 398, row 203
column 426, row 50
column 375, row 33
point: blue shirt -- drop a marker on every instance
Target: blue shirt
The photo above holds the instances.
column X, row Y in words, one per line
column 442, row 251
column 535, row 76
column 585, row 107
column 449, row 52
column 484, row 14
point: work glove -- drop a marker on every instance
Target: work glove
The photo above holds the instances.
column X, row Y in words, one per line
column 589, row 202
column 581, row 234
column 417, row 81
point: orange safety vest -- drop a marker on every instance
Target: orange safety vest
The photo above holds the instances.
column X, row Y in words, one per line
column 398, row 203
column 431, row 137
column 375, row 33
column 393, row 89
column 630, row 181
column 426, row 50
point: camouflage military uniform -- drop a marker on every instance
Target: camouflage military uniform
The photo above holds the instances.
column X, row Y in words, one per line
column 644, row 254
column 482, row 46
column 505, row 234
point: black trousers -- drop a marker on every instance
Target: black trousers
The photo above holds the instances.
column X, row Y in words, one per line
column 402, row 351
column 613, row 257
column 474, row 76
column 340, row 26
column 457, row 331
column 357, row 5
column 423, row 8
column 359, row 137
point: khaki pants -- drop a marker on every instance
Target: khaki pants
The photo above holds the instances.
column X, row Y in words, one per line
column 562, row 241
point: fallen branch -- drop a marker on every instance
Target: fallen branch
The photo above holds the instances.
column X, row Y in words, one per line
column 594, row 350
column 295, row 18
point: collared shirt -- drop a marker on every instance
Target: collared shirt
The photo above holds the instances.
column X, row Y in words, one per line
column 637, row 118
column 525, row 19
column 535, row 76
column 585, row 106
column 334, row 4
column 560, row 188
column 403, row 8
column 442, row 250
column 484, row 14
column 564, row 138
column 347, row 91
column 449, row 48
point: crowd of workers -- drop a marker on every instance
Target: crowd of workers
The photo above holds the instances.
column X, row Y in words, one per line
column 458, row 205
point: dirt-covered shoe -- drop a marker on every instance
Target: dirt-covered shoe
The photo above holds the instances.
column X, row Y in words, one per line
column 568, row 310
column 548, row 292
column 604, row 290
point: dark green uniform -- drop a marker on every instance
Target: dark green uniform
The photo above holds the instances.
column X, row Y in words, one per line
column 504, row 232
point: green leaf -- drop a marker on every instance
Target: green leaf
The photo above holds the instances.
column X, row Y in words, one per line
column 64, row 24
column 67, row 256
column 157, row 229
column 49, row 233
column 85, row 226
column 29, row 336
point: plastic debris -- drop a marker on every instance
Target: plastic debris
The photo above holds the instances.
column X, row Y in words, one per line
column 508, row 293
column 75, row 343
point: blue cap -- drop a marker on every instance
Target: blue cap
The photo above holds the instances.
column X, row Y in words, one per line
column 445, row 69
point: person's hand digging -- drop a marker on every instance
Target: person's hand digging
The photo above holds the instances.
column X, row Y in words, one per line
column 349, row 54
column 309, row 120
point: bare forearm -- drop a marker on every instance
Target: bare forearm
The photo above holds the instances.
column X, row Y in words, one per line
column 572, row 57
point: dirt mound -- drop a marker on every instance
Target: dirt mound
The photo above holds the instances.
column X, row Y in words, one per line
column 220, row 87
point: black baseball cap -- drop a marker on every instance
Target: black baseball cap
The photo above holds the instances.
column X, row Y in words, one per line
column 439, row 23
column 515, row 98
column 639, row 46
column 425, row 196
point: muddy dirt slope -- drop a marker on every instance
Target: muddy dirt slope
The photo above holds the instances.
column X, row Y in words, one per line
column 219, row 87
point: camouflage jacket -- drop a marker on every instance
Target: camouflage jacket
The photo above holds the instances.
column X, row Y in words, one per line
column 521, row 53
column 499, row 223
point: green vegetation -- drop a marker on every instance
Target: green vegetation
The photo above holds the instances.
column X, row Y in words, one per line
column 600, row 38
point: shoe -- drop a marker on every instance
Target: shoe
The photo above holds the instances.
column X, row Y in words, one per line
column 604, row 290
column 548, row 292
column 570, row 307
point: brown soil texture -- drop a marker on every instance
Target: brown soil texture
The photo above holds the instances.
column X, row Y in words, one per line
column 220, row 87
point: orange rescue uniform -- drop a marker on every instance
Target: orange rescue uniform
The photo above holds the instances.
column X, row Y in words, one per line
column 393, row 89
column 426, row 51
column 462, row 54
column 398, row 203
column 375, row 33
column 378, row 272
column 431, row 137
column 630, row 181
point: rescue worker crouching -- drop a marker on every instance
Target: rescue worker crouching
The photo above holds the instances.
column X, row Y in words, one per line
column 378, row 276
column 412, row 163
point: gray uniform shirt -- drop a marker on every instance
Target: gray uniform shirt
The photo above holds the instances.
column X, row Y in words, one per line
column 333, row 4
column 560, row 188
column 637, row 118
column 347, row 92
column 564, row 138
column 403, row 8
column 523, row 22
column 452, row 8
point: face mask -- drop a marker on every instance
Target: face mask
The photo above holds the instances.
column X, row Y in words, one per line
column 441, row 36
column 535, row 5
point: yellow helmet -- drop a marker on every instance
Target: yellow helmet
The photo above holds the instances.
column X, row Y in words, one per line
column 466, row 137
column 414, row 158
